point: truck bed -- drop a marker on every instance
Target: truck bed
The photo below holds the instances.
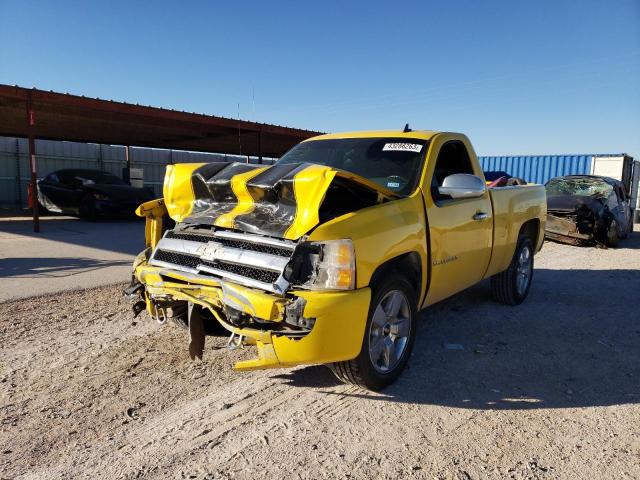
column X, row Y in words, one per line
column 512, row 206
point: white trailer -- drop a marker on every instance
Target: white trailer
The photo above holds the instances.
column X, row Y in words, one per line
column 623, row 168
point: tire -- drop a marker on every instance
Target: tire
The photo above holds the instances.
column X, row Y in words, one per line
column 87, row 209
column 374, row 369
column 613, row 236
column 512, row 286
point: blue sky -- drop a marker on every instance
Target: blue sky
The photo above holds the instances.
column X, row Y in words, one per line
column 517, row 77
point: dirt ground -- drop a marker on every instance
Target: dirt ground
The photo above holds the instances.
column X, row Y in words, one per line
column 549, row 389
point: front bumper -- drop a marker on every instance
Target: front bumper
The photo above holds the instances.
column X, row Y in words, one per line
column 336, row 335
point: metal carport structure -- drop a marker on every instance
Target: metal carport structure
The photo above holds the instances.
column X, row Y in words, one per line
column 47, row 115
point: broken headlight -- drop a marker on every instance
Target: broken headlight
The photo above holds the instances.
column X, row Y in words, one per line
column 328, row 265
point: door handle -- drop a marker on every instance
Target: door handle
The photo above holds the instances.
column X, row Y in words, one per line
column 480, row 216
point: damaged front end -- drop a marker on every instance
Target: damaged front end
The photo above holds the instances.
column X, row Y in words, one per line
column 239, row 257
column 577, row 221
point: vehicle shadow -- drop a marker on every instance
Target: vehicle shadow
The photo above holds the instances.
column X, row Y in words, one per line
column 575, row 342
column 52, row 267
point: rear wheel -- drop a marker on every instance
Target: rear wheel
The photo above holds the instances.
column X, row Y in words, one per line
column 389, row 336
column 512, row 286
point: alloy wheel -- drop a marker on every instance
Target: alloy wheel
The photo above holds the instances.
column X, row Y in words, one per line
column 389, row 331
column 523, row 270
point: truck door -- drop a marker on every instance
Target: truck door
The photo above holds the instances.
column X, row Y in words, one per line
column 461, row 230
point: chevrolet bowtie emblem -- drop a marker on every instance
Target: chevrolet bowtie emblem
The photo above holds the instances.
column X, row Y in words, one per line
column 209, row 251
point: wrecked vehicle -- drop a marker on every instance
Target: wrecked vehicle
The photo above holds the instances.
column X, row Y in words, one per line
column 327, row 256
column 90, row 194
column 585, row 210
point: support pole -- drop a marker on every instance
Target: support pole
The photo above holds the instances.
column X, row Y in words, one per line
column 31, row 121
column 18, row 176
column 100, row 162
column 126, row 174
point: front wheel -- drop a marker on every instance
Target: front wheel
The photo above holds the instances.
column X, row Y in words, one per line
column 87, row 209
column 512, row 286
column 389, row 336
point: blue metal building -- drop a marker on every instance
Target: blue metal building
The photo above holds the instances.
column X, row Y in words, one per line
column 540, row 168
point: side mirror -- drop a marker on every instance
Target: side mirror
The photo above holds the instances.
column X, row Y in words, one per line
column 462, row 185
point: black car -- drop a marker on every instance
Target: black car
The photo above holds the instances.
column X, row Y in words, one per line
column 586, row 209
column 89, row 194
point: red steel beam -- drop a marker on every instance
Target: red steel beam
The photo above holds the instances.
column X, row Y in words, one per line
column 77, row 108
column 33, row 188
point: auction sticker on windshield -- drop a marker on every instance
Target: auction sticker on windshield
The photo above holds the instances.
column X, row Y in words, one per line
column 402, row 147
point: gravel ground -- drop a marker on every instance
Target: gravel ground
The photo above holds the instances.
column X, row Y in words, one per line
column 549, row 389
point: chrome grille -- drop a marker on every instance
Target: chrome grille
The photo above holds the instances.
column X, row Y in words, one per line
column 247, row 259
column 189, row 261
column 193, row 261
column 244, row 271
column 193, row 237
column 256, row 247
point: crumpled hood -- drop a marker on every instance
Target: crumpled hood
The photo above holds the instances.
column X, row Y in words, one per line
column 281, row 201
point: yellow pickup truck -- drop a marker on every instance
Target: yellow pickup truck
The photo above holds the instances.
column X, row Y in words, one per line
column 327, row 256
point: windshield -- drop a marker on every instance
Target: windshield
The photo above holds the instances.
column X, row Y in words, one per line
column 582, row 187
column 90, row 177
column 394, row 163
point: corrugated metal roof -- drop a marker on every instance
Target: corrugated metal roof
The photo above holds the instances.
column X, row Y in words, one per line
column 81, row 119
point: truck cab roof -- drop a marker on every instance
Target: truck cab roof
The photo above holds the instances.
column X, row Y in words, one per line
column 416, row 134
